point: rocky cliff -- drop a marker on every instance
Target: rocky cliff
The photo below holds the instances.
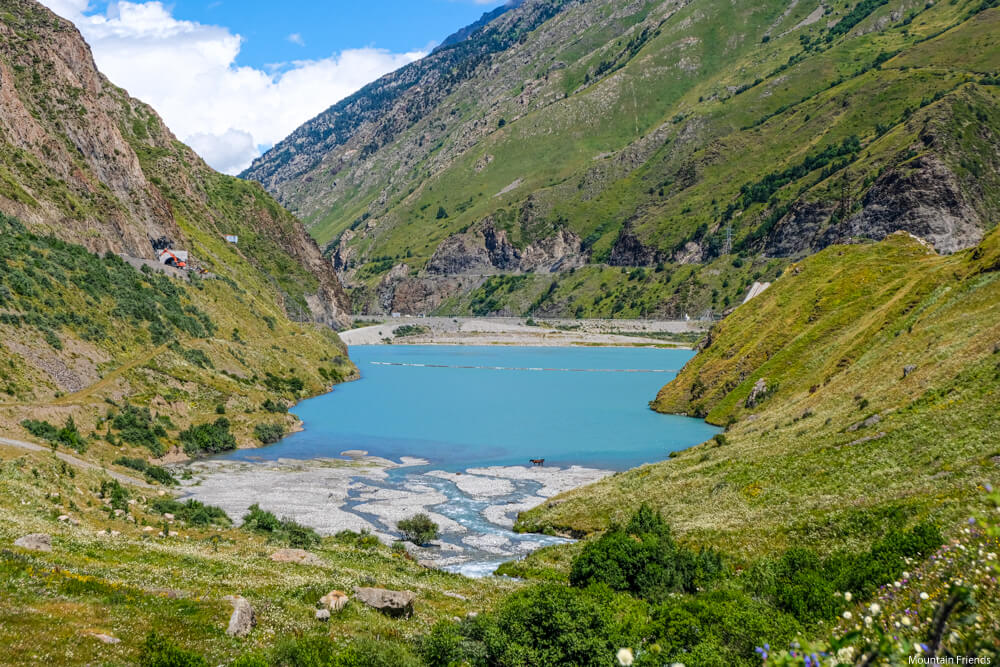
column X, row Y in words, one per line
column 82, row 160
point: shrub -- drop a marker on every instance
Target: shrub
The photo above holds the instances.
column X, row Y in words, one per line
column 208, row 438
column 115, row 493
column 192, row 511
column 280, row 530
column 419, row 529
column 153, row 472
column 642, row 558
column 551, row 624
column 161, row 652
column 136, row 427
column 362, row 539
column 269, row 433
column 804, row 585
column 320, row 651
column 273, row 406
column 68, row 435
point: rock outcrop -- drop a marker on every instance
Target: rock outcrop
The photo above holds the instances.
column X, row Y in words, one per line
column 334, row 600
column 35, row 542
column 398, row 604
column 485, row 249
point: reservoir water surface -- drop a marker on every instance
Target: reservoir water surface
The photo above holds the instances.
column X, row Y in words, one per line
column 461, row 406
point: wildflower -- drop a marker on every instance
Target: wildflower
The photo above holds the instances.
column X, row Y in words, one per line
column 875, row 608
column 847, row 615
column 924, row 596
column 847, row 596
column 868, row 620
column 625, row 657
column 906, row 621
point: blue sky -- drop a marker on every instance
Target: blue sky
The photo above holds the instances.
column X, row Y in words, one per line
column 231, row 78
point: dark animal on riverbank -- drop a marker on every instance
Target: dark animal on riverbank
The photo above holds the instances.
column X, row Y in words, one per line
column 537, row 462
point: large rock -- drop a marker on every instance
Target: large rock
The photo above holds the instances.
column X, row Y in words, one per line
column 334, row 600
column 299, row 556
column 243, row 619
column 35, row 542
column 398, row 604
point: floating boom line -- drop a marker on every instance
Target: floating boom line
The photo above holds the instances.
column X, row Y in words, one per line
column 527, row 368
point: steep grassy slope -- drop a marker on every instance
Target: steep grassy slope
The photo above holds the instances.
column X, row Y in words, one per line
column 83, row 161
column 655, row 135
column 879, row 370
column 85, row 336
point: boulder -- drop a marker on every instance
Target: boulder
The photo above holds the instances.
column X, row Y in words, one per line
column 871, row 421
column 299, row 556
column 35, row 542
column 398, row 604
column 322, row 614
column 243, row 619
column 334, row 600
column 908, row 369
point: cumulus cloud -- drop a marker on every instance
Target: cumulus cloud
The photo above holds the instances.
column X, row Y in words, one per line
column 187, row 71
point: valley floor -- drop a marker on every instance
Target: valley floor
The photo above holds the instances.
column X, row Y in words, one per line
column 521, row 331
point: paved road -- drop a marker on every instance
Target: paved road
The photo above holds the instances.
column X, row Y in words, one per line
column 79, row 463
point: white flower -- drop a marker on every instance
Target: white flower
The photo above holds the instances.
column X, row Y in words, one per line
column 848, row 596
column 924, row 596
column 906, row 621
column 868, row 620
column 847, row 615
column 906, row 575
column 625, row 657
column 875, row 608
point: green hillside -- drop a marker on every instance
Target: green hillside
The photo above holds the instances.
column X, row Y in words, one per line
column 877, row 371
column 660, row 136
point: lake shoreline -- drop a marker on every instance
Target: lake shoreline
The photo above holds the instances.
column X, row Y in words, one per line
column 525, row 332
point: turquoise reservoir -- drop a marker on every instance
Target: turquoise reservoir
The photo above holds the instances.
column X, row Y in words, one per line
column 464, row 406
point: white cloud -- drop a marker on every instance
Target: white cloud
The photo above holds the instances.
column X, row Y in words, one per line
column 187, row 71
column 296, row 38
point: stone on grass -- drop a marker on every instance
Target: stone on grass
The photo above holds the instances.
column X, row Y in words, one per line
column 398, row 604
column 334, row 600
column 908, row 369
column 35, row 542
column 243, row 619
column 757, row 394
column 299, row 556
column 322, row 614
column 101, row 637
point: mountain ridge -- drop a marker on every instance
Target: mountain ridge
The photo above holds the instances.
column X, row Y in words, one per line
column 628, row 130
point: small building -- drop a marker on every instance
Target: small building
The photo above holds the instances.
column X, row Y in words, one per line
column 231, row 238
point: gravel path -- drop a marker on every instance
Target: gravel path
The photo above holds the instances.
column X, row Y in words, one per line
column 79, row 463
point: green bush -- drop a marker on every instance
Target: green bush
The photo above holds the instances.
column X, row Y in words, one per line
column 363, row 539
column 192, row 511
column 136, row 427
column 153, row 472
column 116, row 494
column 321, row 651
column 280, row 530
column 805, row 585
column 419, row 529
column 642, row 558
column 208, row 438
column 68, row 435
column 269, row 433
column 272, row 406
column 161, row 652
column 551, row 624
